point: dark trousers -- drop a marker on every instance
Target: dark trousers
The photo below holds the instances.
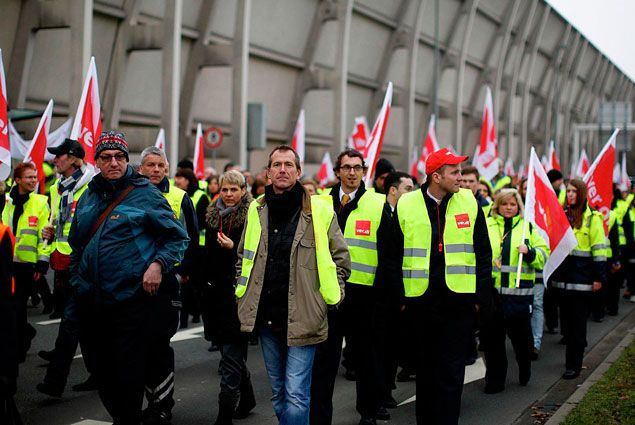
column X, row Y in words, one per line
column 23, row 287
column 159, row 381
column 235, row 379
column 407, row 344
column 120, row 334
column 391, row 348
column 630, row 275
column 575, row 311
column 443, row 343
column 325, row 367
column 366, row 327
column 613, row 288
column 68, row 337
column 61, row 290
column 493, row 336
column 550, row 306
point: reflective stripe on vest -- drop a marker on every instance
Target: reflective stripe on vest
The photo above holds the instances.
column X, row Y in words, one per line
column 585, row 234
column 198, row 195
column 583, row 287
column 29, row 246
column 61, row 244
column 322, row 215
column 495, row 229
column 458, row 240
column 522, row 292
column 360, row 234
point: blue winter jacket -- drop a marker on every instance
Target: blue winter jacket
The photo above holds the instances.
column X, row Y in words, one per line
column 139, row 231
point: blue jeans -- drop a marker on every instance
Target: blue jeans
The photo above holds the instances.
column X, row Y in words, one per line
column 289, row 370
column 538, row 314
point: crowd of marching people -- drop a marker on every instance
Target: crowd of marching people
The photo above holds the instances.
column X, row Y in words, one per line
column 412, row 278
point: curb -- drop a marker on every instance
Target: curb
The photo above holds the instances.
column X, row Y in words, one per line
column 560, row 415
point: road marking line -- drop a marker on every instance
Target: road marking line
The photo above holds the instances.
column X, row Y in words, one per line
column 49, row 322
column 472, row 373
column 91, row 422
column 188, row 334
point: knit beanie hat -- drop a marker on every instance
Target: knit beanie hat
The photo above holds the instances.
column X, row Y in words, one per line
column 111, row 140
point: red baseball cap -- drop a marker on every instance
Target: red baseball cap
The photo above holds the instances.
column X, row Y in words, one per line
column 438, row 159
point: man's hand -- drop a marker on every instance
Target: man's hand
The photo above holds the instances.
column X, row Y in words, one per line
column 597, row 286
column 37, row 276
column 152, row 278
column 523, row 249
column 48, row 232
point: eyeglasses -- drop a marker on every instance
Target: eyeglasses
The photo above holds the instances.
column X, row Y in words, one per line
column 348, row 168
column 108, row 158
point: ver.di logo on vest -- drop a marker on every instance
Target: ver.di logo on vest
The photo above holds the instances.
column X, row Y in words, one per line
column 462, row 221
column 362, row 228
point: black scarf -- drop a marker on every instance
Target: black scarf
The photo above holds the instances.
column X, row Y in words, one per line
column 18, row 201
column 285, row 204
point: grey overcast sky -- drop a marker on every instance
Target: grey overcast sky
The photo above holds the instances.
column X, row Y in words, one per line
column 608, row 24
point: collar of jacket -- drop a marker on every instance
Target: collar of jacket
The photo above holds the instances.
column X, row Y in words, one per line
column 306, row 201
column 164, row 185
column 107, row 188
column 501, row 220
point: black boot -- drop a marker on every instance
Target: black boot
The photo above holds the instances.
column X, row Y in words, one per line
column 247, row 401
column 225, row 413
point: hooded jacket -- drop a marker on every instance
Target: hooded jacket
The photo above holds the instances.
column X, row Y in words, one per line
column 140, row 230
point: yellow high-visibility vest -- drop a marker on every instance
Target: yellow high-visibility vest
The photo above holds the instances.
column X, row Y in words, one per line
column 29, row 245
column 322, row 215
column 458, row 242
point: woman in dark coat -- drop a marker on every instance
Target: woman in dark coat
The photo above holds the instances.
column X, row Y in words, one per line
column 225, row 221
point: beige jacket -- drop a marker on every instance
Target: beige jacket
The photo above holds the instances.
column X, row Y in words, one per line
column 307, row 320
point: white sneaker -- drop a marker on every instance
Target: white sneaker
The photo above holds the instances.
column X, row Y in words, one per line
column 632, row 299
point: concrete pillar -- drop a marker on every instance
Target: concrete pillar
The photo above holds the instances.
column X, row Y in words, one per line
column 171, row 77
column 239, row 83
column 344, row 12
column 81, row 20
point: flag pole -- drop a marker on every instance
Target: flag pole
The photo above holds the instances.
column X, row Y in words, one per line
column 530, row 179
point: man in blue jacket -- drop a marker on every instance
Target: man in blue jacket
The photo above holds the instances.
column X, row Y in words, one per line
column 117, row 267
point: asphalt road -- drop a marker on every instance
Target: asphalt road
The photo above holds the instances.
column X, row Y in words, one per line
column 197, row 384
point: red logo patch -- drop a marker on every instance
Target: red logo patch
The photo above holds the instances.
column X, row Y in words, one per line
column 33, row 221
column 362, row 228
column 462, row 221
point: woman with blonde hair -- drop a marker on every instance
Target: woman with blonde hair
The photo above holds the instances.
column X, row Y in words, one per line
column 505, row 228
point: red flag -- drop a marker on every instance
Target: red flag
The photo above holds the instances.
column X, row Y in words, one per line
column 325, row 174
column 373, row 148
column 37, row 150
column 359, row 137
column 160, row 142
column 298, row 136
column 544, row 211
column 87, row 124
column 583, row 165
column 599, row 180
column 199, row 154
column 486, row 156
column 5, row 147
column 552, row 158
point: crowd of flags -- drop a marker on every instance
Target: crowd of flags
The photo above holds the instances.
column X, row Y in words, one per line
column 542, row 205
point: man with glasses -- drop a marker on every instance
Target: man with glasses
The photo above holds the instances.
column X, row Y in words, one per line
column 364, row 218
column 125, row 238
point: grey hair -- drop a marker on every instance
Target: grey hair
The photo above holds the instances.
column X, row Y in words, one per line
column 232, row 177
column 152, row 150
